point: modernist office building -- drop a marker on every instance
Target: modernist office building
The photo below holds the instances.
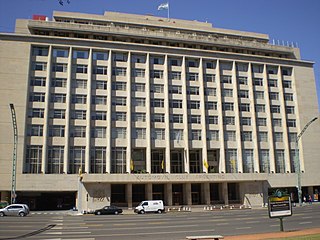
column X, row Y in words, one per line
column 151, row 108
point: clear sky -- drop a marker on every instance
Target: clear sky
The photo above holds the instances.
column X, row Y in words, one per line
column 295, row 21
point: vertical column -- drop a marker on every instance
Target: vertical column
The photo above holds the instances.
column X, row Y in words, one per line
column 129, row 194
column 253, row 122
column 187, row 196
column 222, row 162
column 68, row 114
column 224, row 191
column 269, row 120
column 129, row 125
column 168, row 194
column 206, row 193
column 284, row 122
column 203, row 118
column 237, row 117
column 88, row 120
column 149, row 191
column 167, row 117
column 44, row 161
column 148, row 115
column 185, row 116
column 109, row 114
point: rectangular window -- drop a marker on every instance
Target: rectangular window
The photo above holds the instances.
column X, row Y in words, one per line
column 231, row 161
column 139, row 87
column 243, row 94
column 101, row 70
column 157, row 88
column 176, row 103
column 63, row 53
column 159, row 134
column 193, row 90
column 272, row 83
column 118, row 71
column 157, row 103
column 101, row 85
column 292, row 137
column 80, row 83
column 98, row 160
column 121, row 116
column 195, row 119
column 40, row 51
column 81, row 68
column 195, row 134
column 101, row 100
column 264, row 163
column 275, row 108
column 263, row 136
column 211, row 105
column 119, row 86
column 274, row 96
column 246, row 136
column 33, row 159
column 260, row 108
column 258, row 81
column 98, row 132
column 139, row 117
column 80, row 99
column 177, row 134
column 55, row 159
column 213, row 135
column 38, row 81
column 58, row 113
column 246, row 121
column 79, row 114
column 174, row 89
column 60, row 67
column 39, row 66
column 277, row 122
column 261, row 121
column 76, row 159
column 139, row 72
column 212, row 119
column 158, row 117
column 291, row 123
column 177, row 118
column 230, row 136
column 78, row 132
column 194, row 104
column 58, row 98
column 139, row 59
column 226, row 79
column 244, row 107
column 210, row 77
column 120, row 57
column 278, row 137
column 119, row 101
column 100, row 56
column 37, row 97
column 192, row 76
column 259, row 94
column 210, row 92
column 175, row 75
column 290, row 109
column 140, row 133
column 227, row 93
column 228, row 120
column 227, row 106
column 210, row 65
column 99, row 115
column 59, row 82
column 56, row 131
column 120, row 132
column 80, row 54
column 193, row 63
column 140, row 102
column 287, row 84
column 280, row 166
column 288, row 96
column 248, row 166
column 118, row 165
column 35, row 130
column 243, row 80
column 156, row 74
column 36, row 113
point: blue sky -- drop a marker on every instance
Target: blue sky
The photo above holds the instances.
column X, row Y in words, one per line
column 284, row 20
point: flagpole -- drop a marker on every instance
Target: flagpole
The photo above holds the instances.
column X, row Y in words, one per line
column 168, row 11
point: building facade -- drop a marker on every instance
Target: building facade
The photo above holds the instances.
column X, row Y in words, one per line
column 120, row 108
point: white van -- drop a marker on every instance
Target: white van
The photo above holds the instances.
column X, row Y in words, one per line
column 155, row 206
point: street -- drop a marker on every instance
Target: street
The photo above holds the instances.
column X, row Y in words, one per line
column 176, row 225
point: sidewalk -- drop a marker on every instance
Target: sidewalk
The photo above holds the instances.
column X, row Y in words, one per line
column 275, row 235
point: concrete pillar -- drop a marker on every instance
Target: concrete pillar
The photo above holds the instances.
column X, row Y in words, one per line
column 224, row 190
column 129, row 195
column 205, row 193
column 187, row 196
column 168, row 194
column 148, row 191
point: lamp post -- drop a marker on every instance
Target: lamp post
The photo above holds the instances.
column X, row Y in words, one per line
column 297, row 162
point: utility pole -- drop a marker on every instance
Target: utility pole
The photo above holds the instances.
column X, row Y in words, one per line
column 14, row 159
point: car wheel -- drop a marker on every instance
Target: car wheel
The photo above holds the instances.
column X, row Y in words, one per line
column 142, row 212
column 22, row 214
column 159, row 211
column 1, row 214
column 98, row 213
column 116, row 212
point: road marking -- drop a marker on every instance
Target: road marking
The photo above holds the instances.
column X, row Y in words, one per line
column 124, row 224
column 253, row 222
column 305, row 223
column 220, row 224
column 239, row 228
column 152, row 233
column 307, row 217
column 274, row 225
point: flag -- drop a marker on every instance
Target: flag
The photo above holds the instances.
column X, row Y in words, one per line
column 163, row 6
column 205, row 163
column 162, row 164
column 131, row 165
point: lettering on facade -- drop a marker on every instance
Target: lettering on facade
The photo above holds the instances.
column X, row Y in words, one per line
column 99, row 195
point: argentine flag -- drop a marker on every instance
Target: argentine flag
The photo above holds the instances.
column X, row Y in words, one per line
column 163, row 6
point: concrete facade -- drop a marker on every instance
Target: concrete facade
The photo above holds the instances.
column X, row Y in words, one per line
column 149, row 108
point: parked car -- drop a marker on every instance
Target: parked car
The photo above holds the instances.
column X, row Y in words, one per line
column 15, row 210
column 108, row 210
column 151, row 206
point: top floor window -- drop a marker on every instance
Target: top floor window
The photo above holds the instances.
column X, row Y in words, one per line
column 100, row 56
column 40, row 51
column 80, row 54
column 60, row 53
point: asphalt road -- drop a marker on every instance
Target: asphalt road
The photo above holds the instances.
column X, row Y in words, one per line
column 154, row 226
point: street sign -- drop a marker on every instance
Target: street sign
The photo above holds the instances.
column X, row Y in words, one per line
column 279, row 206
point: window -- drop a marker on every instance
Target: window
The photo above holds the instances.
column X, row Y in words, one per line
column 210, row 92
column 227, row 92
column 244, row 107
column 158, row 117
column 257, row 68
column 274, row 96
column 243, row 94
column 210, row 77
column 213, row 135
column 263, row 136
column 33, row 159
column 56, row 131
column 101, row 70
column 78, row 132
column 81, row 68
column 194, row 104
column 139, row 87
column 58, row 98
column 58, row 113
column 264, row 163
column 212, row 120
column 39, row 66
column 258, row 81
column 192, row 63
column 280, row 166
column 139, row 72
column 77, row 159
column 120, row 57
column 195, row 134
column 176, row 103
column 139, row 117
column 99, row 100
column 63, row 53
column 120, row 132
column 119, row 86
column 174, row 89
column 227, row 106
column 175, row 62
column 138, row 59
column 81, row 99
column 248, row 166
column 193, row 90
column 177, row 118
column 80, row 83
column 98, row 160
column 36, row 113
column 192, row 76
column 260, row 108
column 119, row 101
column 259, row 94
column 101, row 85
column 175, row 75
column 278, row 137
column 157, row 60
column 288, row 96
column 119, row 156
column 231, row 161
column 80, row 54
column 121, row 116
column 79, row 114
column 228, row 120
column 261, row 121
column 157, row 103
column 230, row 136
column 246, row 136
column 211, row 105
column 38, row 81
column 100, row 56
column 177, row 134
column 272, row 83
column 195, row 119
column 243, row 80
column 40, row 51
column 99, row 115
column 158, row 88
column 290, row 109
column 140, row 133
column 55, row 159
column 291, row 123
column 159, row 134
column 140, row 102
column 118, row 71
column 59, row 82
column 35, row 130
column 292, row 137
column 246, row 121
column 286, row 71
column 210, row 65
column 275, row 108
column 242, row 67
column 287, row 84
column 98, row 132
column 226, row 79
column 156, row 74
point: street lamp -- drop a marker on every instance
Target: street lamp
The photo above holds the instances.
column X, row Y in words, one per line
column 297, row 162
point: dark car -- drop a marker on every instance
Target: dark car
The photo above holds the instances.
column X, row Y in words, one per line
column 108, row 210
